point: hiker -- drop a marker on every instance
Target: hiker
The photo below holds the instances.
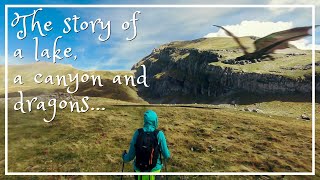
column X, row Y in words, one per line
column 148, row 145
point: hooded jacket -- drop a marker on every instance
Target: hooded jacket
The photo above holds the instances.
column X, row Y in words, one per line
column 150, row 124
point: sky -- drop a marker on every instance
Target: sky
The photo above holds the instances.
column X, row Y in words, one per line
column 155, row 26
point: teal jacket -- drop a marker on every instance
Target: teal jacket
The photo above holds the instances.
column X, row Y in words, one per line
column 150, row 124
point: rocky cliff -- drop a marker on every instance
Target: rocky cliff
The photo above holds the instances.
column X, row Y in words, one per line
column 184, row 75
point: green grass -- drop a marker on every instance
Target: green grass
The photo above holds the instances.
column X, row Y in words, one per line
column 217, row 43
column 94, row 141
column 279, row 66
column 225, row 139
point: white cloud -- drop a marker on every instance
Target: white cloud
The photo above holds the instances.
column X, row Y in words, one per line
column 296, row 2
column 14, row 60
column 315, row 2
column 304, row 44
column 252, row 28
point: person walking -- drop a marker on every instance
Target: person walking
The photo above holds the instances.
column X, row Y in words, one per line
column 148, row 146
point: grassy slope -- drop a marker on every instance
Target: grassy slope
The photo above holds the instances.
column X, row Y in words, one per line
column 28, row 71
column 94, row 142
column 30, row 88
column 217, row 43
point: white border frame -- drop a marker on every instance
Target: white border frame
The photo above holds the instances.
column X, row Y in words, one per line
column 162, row 173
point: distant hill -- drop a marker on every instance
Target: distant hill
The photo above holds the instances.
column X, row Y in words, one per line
column 30, row 88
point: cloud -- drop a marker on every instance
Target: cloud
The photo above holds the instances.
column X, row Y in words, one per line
column 13, row 60
column 296, row 2
column 304, row 44
column 252, row 28
column 314, row 2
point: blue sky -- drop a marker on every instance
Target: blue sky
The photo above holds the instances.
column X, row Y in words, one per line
column 156, row 26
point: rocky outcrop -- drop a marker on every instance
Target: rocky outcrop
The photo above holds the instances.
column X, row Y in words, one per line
column 173, row 72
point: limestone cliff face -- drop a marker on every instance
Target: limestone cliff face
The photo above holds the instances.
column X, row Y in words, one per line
column 173, row 72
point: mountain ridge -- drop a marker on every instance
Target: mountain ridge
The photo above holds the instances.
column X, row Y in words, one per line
column 196, row 69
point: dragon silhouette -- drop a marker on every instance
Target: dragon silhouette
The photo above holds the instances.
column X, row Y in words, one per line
column 268, row 44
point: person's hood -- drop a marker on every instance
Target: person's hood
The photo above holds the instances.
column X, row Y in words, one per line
column 150, row 121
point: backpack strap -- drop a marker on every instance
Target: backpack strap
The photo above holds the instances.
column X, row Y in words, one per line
column 140, row 130
column 156, row 133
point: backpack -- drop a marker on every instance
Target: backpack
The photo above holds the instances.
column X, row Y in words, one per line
column 147, row 150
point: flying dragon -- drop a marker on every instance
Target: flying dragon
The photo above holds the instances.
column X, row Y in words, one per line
column 268, row 44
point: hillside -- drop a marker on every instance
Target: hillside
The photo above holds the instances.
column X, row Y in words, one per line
column 30, row 88
column 199, row 67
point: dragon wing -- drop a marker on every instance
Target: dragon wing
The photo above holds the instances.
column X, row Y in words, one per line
column 244, row 49
column 279, row 40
